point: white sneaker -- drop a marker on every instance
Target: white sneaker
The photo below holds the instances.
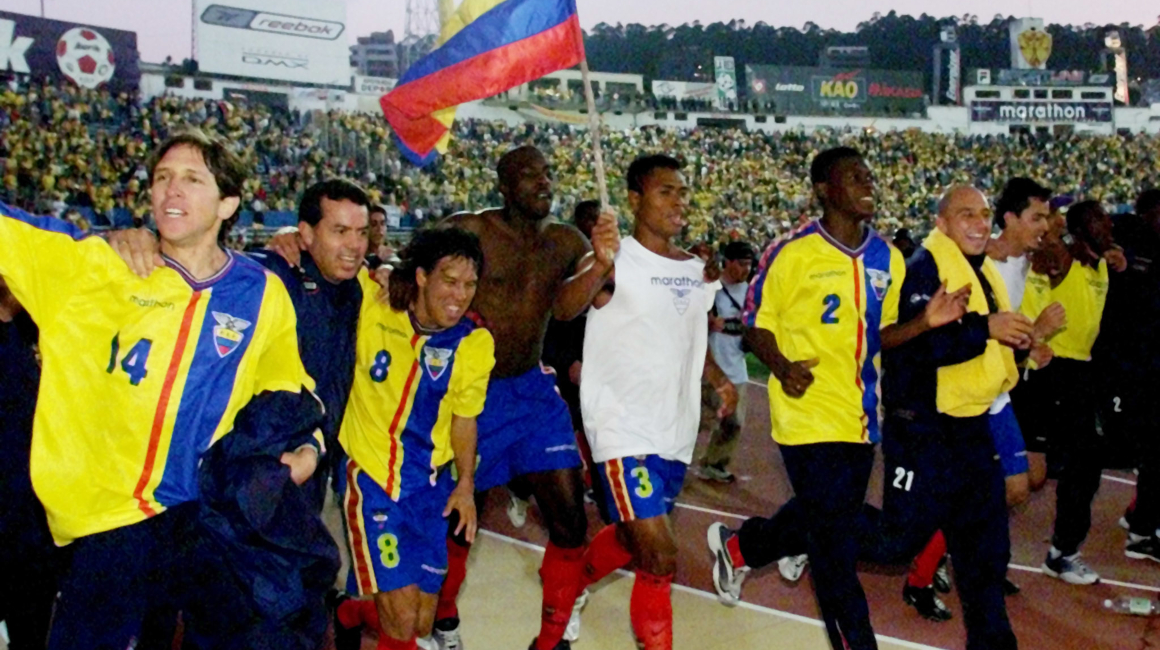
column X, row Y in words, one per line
column 792, row 566
column 517, row 510
column 572, row 632
column 727, row 578
column 1070, row 569
column 446, row 634
column 427, row 643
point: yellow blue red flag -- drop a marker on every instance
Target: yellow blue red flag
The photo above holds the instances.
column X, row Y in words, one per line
column 487, row 47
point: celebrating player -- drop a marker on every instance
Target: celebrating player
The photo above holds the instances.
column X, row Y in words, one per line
column 145, row 376
column 419, row 384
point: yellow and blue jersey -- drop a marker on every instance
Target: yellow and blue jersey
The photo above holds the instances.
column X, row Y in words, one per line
column 140, row 376
column 407, row 386
column 824, row 301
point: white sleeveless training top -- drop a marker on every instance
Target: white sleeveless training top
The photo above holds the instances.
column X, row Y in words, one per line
column 644, row 353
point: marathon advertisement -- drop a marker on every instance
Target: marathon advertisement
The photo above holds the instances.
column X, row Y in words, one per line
column 90, row 57
column 1024, row 112
column 798, row 90
column 299, row 41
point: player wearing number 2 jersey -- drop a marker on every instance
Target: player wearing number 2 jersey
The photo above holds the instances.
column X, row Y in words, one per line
column 421, row 378
column 140, row 378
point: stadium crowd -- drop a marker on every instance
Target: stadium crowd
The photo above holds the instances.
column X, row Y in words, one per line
column 64, row 147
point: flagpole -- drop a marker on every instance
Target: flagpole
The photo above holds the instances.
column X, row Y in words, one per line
column 594, row 133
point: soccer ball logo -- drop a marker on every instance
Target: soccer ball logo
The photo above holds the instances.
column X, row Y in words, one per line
column 85, row 57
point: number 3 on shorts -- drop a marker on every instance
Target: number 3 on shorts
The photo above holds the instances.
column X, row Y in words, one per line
column 644, row 488
column 388, row 550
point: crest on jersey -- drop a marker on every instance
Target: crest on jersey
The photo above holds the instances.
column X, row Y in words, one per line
column 436, row 360
column 880, row 280
column 681, row 300
column 227, row 334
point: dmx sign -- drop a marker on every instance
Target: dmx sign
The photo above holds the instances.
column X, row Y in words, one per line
column 300, row 41
column 1062, row 112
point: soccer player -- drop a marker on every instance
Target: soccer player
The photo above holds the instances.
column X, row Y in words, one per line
column 27, row 557
column 535, row 269
column 142, row 377
column 823, row 299
column 420, row 383
column 376, row 251
column 727, row 329
column 645, row 348
column 1055, row 402
column 1127, row 352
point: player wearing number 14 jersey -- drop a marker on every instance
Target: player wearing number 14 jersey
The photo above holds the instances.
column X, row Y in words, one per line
column 421, row 376
column 140, row 378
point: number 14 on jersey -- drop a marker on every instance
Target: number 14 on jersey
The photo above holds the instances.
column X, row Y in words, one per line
column 134, row 361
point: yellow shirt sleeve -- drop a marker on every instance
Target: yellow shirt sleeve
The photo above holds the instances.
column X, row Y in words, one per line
column 1036, row 296
column 473, row 364
column 897, row 276
column 280, row 366
column 45, row 261
column 770, row 308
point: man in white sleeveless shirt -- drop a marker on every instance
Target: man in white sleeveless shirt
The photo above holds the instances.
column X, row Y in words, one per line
column 645, row 349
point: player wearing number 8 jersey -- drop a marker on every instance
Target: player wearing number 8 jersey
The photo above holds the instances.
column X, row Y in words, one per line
column 140, row 378
column 420, row 380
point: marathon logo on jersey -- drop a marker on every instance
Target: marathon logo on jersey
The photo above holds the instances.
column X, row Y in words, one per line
column 681, row 300
column 227, row 334
column 436, row 361
column 880, row 280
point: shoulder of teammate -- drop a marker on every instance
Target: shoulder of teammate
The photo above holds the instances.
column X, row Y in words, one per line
column 920, row 284
column 45, row 259
column 274, row 263
column 773, row 259
column 280, row 367
column 471, row 221
column 474, row 361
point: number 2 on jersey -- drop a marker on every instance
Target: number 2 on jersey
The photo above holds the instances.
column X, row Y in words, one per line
column 832, row 302
column 133, row 363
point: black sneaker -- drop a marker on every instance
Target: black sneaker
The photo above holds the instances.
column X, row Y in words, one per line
column 942, row 577
column 1010, row 588
column 1145, row 549
column 926, row 602
column 345, row 638
column 562, row 645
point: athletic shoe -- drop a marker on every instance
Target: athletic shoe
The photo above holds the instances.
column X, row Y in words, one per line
column 1010, row 588
column 715, row 474
column 1144, row 549
column 942, row 577
column 792, row 566
column 924, row 600
column 727, row 578
column 345, row 638
column 572, row 632
column 446, row 634
column 562, row 645
column 1070, row 569
column 427, row 643
column 517, row 510
column 1124, row 523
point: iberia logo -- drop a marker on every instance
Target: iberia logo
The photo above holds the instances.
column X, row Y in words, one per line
column 227, row 334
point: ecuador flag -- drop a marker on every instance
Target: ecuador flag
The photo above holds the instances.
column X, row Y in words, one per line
column 488, row 46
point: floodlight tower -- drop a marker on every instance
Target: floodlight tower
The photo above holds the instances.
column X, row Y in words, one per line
column 421, row 30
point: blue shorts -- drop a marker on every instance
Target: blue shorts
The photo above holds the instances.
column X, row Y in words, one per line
column 394, row 544
column 1009, row 441
column 641, row 487
column 525, row 427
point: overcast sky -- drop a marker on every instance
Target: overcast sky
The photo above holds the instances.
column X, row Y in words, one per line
column 163, row 26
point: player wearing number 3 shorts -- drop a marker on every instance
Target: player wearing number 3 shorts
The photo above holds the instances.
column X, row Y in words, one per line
column 420, row 381
column 644, row 349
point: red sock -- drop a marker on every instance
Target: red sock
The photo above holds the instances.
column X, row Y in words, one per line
column 926, row 564
column 605, row 555
column 456, row 574
column 355, row 612
column 561, row 574
column 387, row 643
column 733, row 545
column 651, row 610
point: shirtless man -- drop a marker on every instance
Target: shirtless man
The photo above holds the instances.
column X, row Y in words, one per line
column 533, row 269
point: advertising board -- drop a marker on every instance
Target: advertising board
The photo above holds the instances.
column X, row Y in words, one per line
column 798, row 90
column 88, row 56
column 1063, row 112
column 299, row 41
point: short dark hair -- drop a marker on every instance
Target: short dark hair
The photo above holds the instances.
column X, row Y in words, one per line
column 823, row 163
column 510, row 162
column 229, row 172
column 1148, row 201
column 377, row 208
column 586, row 210
column 645, row 165
column 1016, row 197
column 1078, row 213
column 424, row 251
column 738, row 250
column 335, row 189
